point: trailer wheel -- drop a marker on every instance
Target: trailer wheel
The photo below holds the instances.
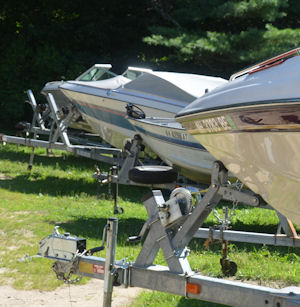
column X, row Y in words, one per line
column 152, row 174
column 229, row 268
column 118, row 210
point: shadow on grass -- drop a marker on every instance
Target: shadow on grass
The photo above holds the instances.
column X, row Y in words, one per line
column 236, row 247
column 64, row 161
column 54, row 186
column 93, row 228
column 32, row 182
column 240, row 226
column 50, row 185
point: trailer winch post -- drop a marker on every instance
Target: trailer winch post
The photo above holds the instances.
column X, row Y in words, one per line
column 112, row 231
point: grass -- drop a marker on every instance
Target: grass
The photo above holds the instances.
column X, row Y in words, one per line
column 60, row 191
column 154, row 299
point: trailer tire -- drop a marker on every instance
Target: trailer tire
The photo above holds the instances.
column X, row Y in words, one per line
column 152, row 174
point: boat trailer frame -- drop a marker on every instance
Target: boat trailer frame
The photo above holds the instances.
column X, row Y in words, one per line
column 52, row 123
column 171, row 226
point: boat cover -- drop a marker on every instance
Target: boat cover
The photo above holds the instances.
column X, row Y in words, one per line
column 177, row 86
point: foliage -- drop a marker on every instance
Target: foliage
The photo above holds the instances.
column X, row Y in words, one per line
column 222, row 36
column 44, row 41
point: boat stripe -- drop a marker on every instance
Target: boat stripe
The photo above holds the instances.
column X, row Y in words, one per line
column 105, row 115
column 88, row 105
column 152, row 98
column 170, row 140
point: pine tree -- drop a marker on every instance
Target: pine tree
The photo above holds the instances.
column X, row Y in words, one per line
column 222, row 36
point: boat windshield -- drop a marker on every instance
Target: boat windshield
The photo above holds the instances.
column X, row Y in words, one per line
column 96, row 74
column 133, row 72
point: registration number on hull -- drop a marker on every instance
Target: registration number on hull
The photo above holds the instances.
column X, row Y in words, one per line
column 176, row 135
column 211, row 125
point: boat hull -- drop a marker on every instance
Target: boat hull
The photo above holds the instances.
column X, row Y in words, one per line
column 63, row 102
column 176, row 147
column 259, row 144
column 107, row 114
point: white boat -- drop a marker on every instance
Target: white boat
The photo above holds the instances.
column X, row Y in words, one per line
column 102, row 103
column 252, row 124
column 95, row 73
column 170, row 141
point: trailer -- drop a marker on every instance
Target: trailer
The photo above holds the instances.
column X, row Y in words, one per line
column 170, row 227
column 49, row 129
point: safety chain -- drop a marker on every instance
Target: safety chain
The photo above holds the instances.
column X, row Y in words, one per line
column 64, row 271
column 225, row 220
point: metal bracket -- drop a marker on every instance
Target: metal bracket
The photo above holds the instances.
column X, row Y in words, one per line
column 50, row 122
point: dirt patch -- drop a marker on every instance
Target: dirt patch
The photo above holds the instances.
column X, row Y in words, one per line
column 90, row 294
column 279, row 284
column 25, row 233
column 5, row 177
column 12, row 247
column 22, row 212
column 3, row 270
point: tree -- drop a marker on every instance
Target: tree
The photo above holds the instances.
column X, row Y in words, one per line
column 221, row 36
column 43, row 41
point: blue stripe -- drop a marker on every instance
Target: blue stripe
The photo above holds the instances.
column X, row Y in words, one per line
column 105, row 116
column 81, row 88
column 171, row 140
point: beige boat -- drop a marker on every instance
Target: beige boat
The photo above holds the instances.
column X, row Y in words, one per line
column 252, row 124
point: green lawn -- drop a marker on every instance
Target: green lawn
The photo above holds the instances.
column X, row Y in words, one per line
column 60, row 191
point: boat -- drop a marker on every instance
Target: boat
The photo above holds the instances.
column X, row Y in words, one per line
column 170, row 141
column 252, row 124
column 95, row 73
column 102, row 103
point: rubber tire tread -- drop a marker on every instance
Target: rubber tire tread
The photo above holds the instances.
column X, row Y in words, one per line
column 152, row 174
